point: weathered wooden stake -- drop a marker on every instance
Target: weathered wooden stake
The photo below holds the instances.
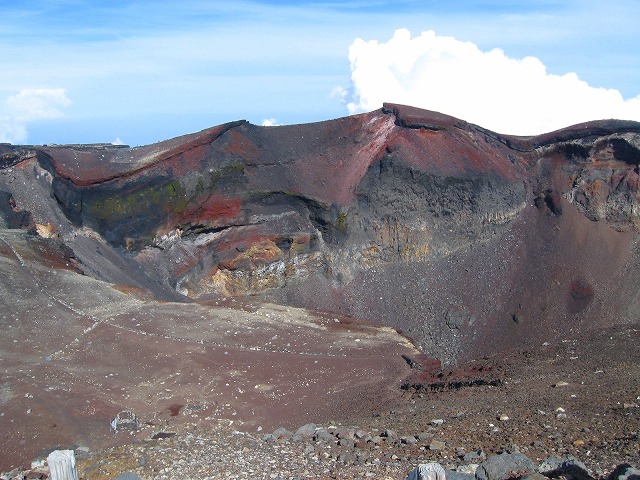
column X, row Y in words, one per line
column 62, row 465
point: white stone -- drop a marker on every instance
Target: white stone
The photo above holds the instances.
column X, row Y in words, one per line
column 428, row 471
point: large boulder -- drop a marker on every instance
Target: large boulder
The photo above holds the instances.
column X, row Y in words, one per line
column 505, row 466
column 568, row 467
column 624, row 472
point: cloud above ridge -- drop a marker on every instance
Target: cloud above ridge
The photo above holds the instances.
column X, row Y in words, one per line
column 507, row 95
column 270, row 122
column 30, row 105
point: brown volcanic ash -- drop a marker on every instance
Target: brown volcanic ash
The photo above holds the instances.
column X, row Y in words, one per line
column 467, row 240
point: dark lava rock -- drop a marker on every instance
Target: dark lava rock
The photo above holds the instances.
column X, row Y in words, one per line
column 569, row 467
column 477, row 456
column 347, row 442
column 323, row 435
column 344, row 432
column 347, row 458
column 389, row 434
column 306, row 430
column 552, row 202
column 127, row 476
column 505, row 466
column 436, row 445
column 533, row 476
column 11, row 216
column 453, row 475
column 408, row 440
column 282, row 434
column 624, row 472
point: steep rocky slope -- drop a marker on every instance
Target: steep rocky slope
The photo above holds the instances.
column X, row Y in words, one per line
column 468, row 241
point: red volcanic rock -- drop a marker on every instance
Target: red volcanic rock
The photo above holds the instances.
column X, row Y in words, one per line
column 413, row 117
column 94, row 164
column 580, row 295
column 581, row 290
column 215, row 206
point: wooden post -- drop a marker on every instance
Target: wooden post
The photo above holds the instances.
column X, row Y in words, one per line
column 62, row 465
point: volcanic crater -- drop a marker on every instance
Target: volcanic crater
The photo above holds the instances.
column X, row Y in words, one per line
column 267, row 276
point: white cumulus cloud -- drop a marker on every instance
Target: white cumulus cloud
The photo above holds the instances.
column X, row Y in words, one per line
column 270, row 122
column 30, row 105
column 507, row 95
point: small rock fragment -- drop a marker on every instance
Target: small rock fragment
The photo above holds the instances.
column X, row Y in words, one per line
column 282, row 434
column 347, row 442
column 468, row 469
column 408, row 440
column 436, row 445
column 347, row 458
column 344, row 432
column 389, row 434
column 476, row 456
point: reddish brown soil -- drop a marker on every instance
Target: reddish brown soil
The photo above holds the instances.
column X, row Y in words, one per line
column 77, row 352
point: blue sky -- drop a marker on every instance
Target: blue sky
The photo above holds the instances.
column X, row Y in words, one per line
column 143, row 71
